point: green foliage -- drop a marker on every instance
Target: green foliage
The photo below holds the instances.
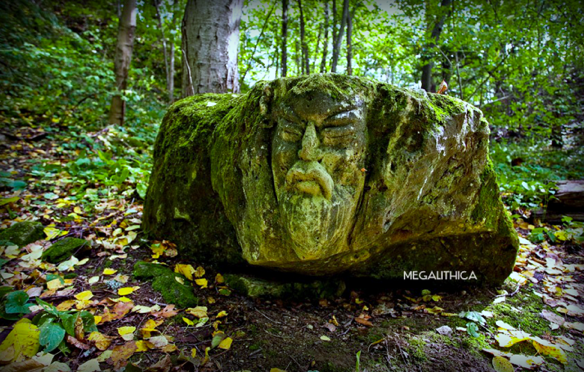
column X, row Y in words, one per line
column 54, row 325
column 528, row 184
column 14, row 305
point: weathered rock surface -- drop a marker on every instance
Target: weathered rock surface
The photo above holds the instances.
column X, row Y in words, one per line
column 23, row 233
column 326, row 174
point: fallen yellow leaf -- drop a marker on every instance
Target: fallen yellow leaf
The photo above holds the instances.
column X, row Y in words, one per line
column 101, row 341
column 144, row 345
column 84, row 296
column 219, row 279
column 127, row 290
column 201, row 282
column 188, row 321
column 199, row 311
column 222, row 314
column 547, row 348
column 150, row 327
column 199, row 272
column 127, row 333
column 501, row 364
column 225, row 344
column 21, row 343
column 186, row 270
column 109, row 271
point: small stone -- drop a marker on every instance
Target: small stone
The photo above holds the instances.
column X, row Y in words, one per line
column 63, row 249
column 444, row 330
column 23, row 233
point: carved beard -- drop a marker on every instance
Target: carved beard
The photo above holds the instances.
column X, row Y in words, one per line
column 318, row 227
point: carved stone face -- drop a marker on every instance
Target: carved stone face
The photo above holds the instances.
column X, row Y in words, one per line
column 318, row 153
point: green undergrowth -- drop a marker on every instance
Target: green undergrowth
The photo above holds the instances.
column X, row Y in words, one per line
column 528, row 182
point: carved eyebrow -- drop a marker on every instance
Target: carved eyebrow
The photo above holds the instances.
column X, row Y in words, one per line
column 288, row 114
column 344, row 117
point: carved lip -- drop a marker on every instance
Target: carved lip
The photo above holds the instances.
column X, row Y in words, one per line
column 311, row 178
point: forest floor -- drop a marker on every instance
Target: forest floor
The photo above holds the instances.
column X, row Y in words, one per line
column 534, row 320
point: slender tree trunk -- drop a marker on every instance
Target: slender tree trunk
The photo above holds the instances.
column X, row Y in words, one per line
column 339, row 39
column 326, row 33
column 349, row 44
column 334, row 22
column 170, row 85
column 317, row 50
column 305, row 65
column 210, row 39
column 123, row 57
column 297, row 58
column 284, row 38
column 266, row 20
column 435, row 35
column 168, row 52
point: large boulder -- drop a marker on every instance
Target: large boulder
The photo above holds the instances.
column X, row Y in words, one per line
column 326, row 174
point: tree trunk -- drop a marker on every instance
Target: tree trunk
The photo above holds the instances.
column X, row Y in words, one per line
column 326, row 30
column 123, row 57
column 339, row 39
column 349, row 43
column 317, row 49
column 266, row 20
column 168, row 52
column 210, row 38
column 284, row 38
column 435, row 35
column 305, row 66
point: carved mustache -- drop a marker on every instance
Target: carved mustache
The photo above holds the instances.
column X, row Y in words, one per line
column 310, row 177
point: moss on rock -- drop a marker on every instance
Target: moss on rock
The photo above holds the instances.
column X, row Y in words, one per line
column 164, row 280
column 257, row 287
column 63, row 249
column 23, row 233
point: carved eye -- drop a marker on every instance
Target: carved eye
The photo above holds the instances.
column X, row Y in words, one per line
column 289, row 131
column 336, row 136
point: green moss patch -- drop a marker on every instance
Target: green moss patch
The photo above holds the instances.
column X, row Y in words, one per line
column 256, row 287
column 63, row 249
column 23, row 233
column 164, row 280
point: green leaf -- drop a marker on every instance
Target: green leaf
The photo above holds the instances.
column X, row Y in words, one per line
column 16, row 303
column 9, row 200
column 473, row 315
column 48, row 307
column 217, row 339
column 51, row 336
column 18, row 185
column 54, row 276
column 68, row 321
column 472, row 329
column 88, row 321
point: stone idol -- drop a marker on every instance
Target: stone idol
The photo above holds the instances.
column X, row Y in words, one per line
column 325, row 174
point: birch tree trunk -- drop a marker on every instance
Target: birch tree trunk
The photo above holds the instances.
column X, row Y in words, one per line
column 210, row 39
column 122, row 59
column 284, row 38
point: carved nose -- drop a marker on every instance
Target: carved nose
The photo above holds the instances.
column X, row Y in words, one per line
column 310, row 150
